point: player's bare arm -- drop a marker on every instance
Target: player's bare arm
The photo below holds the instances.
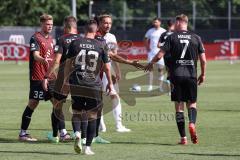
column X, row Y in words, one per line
column 146, row 44
column 39, row 58
column 203, row 64
column 52, row 69
column 55, row 66
column 157, row 57
column 107, row 70
column 119, row 59
column 117, row 70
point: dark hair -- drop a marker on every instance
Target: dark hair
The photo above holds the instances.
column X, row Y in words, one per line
column 96, row 19
column 69, row 22
column 157, row 19
column 182, row 17
column 170, row 22
column 91, row 26
column 103, row 16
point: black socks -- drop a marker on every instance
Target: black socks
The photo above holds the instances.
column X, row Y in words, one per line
column 192, row 115
column 55, row 123
column 181, row 123
column 91, row 130
column 26, row 118
column 98, row 125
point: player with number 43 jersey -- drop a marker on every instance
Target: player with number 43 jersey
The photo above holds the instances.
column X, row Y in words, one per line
column 86, row 57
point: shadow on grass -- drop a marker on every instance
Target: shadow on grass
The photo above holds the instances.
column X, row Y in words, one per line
column 37, row 152
column 145, row 143
column 211, row 154
column 221, row 110
column 16, row 129
column 40, row 141
column 7, row 140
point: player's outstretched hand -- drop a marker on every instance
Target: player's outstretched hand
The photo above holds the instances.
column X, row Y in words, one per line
column 109, row 88
column 148, row 67
column 44, row 61
column 201, row 79
column 137, row 65
column 45, row 84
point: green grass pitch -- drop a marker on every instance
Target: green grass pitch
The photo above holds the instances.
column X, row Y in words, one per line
column 218, row 123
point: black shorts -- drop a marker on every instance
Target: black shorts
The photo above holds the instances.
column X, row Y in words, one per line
column 84, row 98
column 183, row 89
column 36, row 90
column 58, row 87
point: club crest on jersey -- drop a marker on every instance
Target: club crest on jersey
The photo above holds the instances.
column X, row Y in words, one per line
column 68, row 40
column 32, row 45
column 56, row 48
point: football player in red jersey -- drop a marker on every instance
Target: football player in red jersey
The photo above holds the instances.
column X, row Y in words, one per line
column 41, row 55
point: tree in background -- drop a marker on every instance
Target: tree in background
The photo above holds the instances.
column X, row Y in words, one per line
column 26, row 12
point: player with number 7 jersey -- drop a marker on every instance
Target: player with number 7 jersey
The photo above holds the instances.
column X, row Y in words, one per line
column 185, row 48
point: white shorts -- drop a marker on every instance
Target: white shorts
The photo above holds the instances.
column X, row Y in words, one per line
column 115, row 90
column 160, row 63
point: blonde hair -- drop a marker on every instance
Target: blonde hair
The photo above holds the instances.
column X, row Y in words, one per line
column 45, row 17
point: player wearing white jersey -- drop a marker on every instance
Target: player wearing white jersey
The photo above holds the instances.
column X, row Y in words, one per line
column 105, row 23
column 151, row 43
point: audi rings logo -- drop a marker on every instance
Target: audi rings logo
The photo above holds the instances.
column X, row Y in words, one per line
column 14, row 51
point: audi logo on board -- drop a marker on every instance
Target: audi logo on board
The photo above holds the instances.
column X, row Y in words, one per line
column 13, row 51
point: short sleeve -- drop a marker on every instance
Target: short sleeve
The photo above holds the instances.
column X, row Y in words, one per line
column 59, row 46
column 147, row 35
column 70, row 51
column 162, row 39
column 167, row 45
column 112, row 43
column 34, row 46
column 201, row 48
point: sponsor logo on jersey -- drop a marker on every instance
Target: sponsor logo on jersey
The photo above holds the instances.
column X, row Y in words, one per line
column 185, row 62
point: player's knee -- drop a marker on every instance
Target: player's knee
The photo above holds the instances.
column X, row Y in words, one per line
column 179, row 106
column 115, row 96
column 92, row 115
column 57, row 104
column 32, row 104
column 99, row 112
column 192, row 105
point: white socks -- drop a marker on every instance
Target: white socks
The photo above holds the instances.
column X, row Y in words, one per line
column 117, row 111
column 102, row 124
column 161, row 78
column 150, row 76
column 63, row 132
column 77, row 134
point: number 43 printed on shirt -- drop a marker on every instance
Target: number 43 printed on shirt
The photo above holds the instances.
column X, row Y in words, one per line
column 81, row 60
